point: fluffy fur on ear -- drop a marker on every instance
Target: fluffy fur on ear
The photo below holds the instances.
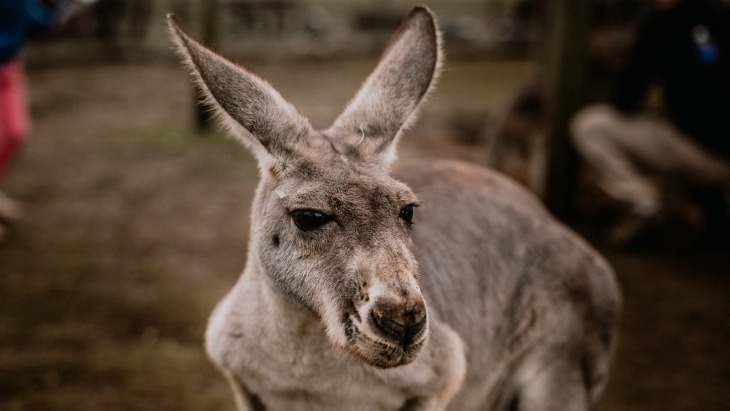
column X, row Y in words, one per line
column 249, row 107
column 387, row 102
column 369, row 127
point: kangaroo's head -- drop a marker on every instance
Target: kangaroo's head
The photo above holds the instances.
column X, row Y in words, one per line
column 331, row 229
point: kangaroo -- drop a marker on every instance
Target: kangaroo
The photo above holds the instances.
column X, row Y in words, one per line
column 371, row 285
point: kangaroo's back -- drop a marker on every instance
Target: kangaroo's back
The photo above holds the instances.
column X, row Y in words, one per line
column 500, row 270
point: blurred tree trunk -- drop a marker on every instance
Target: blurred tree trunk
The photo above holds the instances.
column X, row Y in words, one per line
column 564, row 62
column 204, row 18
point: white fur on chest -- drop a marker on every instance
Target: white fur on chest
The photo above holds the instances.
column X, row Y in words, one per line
column 326, row 390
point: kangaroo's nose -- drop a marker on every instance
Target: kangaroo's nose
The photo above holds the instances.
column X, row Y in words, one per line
column 398, row 324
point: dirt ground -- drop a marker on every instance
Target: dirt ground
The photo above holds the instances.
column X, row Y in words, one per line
column 135, row 226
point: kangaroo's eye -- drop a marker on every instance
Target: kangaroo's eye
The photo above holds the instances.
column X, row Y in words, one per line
column 308, row 220
column 406, row 213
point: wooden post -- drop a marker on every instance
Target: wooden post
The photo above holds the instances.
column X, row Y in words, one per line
column 564, row 62
column 204, row 19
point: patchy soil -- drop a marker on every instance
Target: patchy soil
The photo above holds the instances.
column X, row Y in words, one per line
column 135, row 226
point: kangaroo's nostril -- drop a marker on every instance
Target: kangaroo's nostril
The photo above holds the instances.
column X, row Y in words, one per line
column 414, row 330
column 390, row 328
column 403, row 328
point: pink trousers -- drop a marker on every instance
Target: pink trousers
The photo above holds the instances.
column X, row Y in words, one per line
column 14, row 121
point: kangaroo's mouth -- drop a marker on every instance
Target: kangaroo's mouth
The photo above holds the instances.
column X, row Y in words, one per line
column 377, row 351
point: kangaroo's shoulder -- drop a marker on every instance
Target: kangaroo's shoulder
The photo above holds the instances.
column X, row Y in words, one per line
column 469, row 188
column 463, row 200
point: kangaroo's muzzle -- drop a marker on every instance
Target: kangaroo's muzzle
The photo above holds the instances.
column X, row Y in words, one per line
column 398, row 324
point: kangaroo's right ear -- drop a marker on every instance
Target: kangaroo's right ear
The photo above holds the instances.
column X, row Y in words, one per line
column 253, row 111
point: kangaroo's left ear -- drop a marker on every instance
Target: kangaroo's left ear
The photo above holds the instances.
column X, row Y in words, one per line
column 389, row 98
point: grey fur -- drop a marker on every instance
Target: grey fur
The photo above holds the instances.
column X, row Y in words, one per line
column 485, row 303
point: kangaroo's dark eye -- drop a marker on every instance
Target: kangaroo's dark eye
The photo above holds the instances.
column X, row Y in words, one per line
column 406, row 213
column 308, row 220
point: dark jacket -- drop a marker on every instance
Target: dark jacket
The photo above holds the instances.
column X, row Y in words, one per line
column 18, row 18
column 687, row 50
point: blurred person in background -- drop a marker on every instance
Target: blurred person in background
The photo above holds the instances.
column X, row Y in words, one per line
column 683, row 47
column 18, row 20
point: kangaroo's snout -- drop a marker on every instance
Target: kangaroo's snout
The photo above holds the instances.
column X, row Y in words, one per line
column 391, row 325
column 398, row 323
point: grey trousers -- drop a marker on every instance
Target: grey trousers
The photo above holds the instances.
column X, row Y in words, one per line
column 627, row 152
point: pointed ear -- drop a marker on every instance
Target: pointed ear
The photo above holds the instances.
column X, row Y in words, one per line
column 248, row 106
column 387, row 101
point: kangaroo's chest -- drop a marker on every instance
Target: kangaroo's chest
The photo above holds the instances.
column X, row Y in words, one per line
column 287, row 362
column 312, row 376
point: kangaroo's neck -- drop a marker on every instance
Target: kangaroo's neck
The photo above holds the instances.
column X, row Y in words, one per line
column 274, row 312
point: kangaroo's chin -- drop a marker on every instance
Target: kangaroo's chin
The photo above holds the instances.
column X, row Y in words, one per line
column 382, row 354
